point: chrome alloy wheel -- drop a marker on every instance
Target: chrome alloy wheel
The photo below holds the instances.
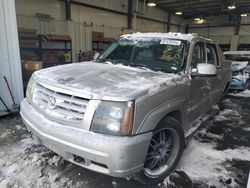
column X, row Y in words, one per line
column 161, row 152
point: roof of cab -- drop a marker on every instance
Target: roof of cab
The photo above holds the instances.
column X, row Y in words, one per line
column 171, row 35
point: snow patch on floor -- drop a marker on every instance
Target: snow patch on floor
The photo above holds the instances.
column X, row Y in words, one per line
column 227, row 114
column 21, row 165
column 196, row 124
column 19, row 127
column 203, row 163
column 245, row 93
column 56, row 161
column 246, row 129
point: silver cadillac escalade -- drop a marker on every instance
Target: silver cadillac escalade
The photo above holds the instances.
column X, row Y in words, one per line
column 128, row 112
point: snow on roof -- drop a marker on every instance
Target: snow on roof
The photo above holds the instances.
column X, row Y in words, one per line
column 237, row 52
column 181, row 36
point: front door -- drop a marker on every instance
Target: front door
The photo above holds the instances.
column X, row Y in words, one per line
column 199, row 86
column 217, row 86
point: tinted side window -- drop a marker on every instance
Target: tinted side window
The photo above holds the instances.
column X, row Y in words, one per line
column 212, row 56
column 198, row 55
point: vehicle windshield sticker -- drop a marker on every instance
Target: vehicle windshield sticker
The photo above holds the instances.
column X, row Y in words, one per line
column 174, row 68
column 170, row 42
column 173, row 53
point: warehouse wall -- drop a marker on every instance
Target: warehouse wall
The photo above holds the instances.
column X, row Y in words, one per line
column 117, row 5
column 225, row 35
column 86, row 19
column 149, row 26
column 30, row 7
column 42, row 26
column 222, row 34
column 80, row 14
column 81, row 33
column 219, row 31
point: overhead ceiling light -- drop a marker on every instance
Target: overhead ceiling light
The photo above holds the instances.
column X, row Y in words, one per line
column 201, row 21
column 178, row 13
column 231, row 7
column 243, row 15
column 151, row 4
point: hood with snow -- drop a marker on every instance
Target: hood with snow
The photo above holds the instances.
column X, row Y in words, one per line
column 101, row 80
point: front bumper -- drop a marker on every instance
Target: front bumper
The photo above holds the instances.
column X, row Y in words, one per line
column 111, row 155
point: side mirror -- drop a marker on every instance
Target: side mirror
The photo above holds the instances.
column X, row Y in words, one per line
column 204, row 70
column 97, row 54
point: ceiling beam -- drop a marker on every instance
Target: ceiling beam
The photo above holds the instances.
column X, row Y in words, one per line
column 169, row 2
column 190, row 15
column 174, row 4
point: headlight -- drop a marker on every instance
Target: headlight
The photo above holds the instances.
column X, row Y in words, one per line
column 114, row 118
column 30, row 88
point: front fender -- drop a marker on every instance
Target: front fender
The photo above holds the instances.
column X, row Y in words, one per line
column 152, row 119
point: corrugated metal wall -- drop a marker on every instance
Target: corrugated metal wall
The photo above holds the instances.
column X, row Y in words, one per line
column 42, row 26
column 81, row 33
column 223, row 35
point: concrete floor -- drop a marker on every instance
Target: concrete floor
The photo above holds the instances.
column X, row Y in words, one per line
column 25, row 163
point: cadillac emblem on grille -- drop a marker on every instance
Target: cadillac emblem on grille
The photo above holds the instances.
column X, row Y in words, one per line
column 52, row 103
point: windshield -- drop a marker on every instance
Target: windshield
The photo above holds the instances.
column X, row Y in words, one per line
column 159, row 54
column 238, row 57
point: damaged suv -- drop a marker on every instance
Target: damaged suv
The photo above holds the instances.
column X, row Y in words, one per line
column 127, row 113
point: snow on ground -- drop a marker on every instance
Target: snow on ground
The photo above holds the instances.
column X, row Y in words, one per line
column 221, row 144
column 203, row 163
column 245, row 93
column 216, row 155
column 22, row 167
column 227, row 114
column 22, row 162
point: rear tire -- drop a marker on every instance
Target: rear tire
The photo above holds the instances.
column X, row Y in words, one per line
column 164, row 152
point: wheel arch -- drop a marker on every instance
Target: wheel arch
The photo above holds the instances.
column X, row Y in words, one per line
column 174, row 108
column 178, row 140
column 176, row 114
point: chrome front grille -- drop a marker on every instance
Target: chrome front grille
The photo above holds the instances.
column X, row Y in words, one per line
column 59, row 106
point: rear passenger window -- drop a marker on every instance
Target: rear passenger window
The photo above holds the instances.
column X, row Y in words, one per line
column 212, row 56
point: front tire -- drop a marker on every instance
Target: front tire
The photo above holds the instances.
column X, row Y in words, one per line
column 164, row 152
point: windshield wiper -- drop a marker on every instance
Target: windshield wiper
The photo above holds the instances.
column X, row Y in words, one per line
column 132, row 64
column 126, row 63
column 146, row 67
column 140, row 66
column 106, row 61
